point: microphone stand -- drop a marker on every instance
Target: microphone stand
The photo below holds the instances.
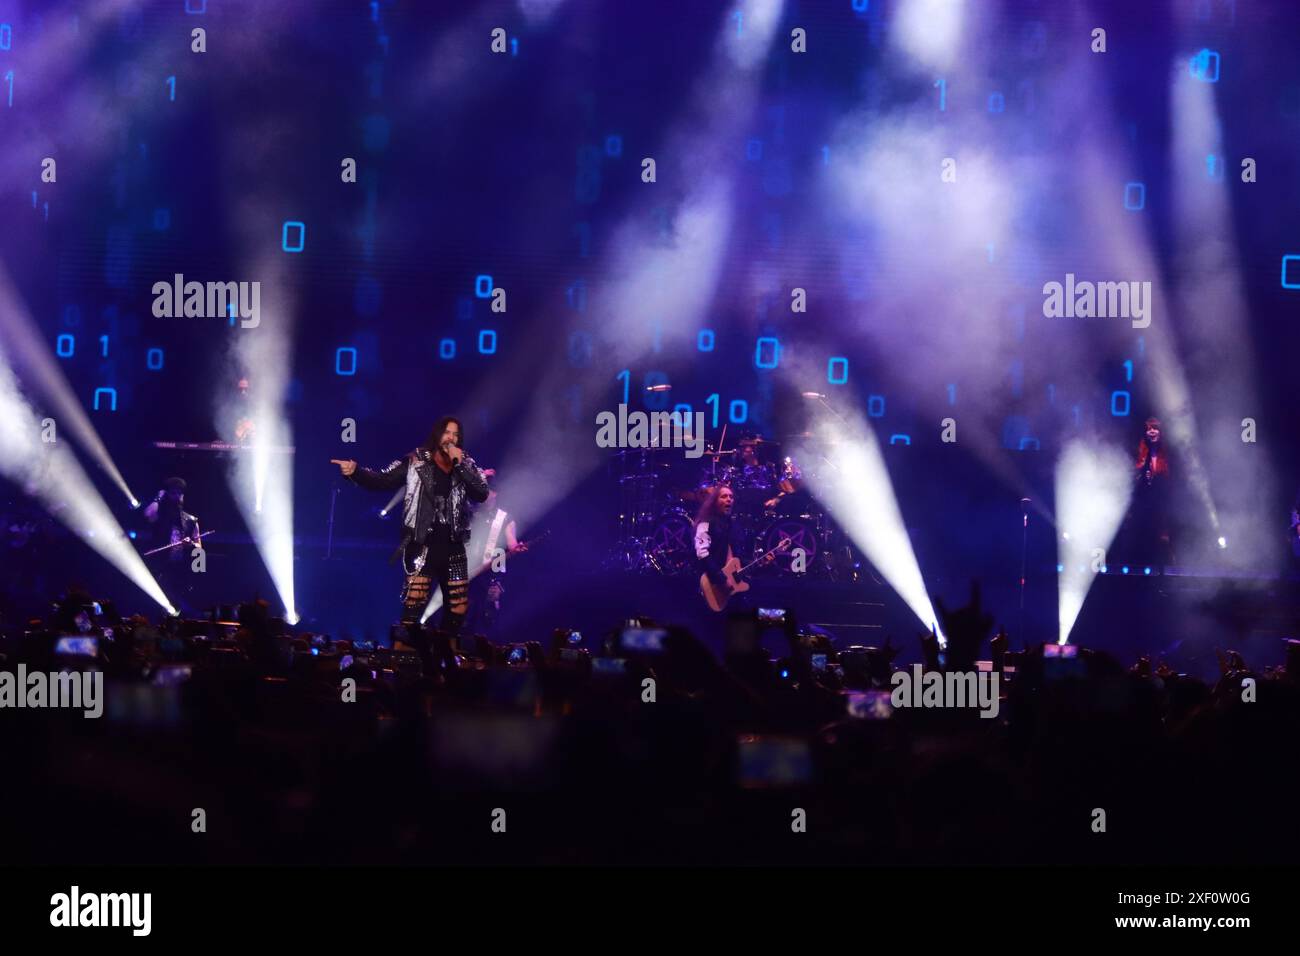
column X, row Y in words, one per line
column 1024, row 550
column 329, row 537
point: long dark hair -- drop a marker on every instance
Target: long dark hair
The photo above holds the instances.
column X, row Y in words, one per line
column 709, row 509
column 1144, row 450
column 434, row 442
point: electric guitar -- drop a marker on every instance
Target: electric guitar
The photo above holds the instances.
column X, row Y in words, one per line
column 717, row 596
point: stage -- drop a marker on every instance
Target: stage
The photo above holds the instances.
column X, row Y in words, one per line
column 588, row 432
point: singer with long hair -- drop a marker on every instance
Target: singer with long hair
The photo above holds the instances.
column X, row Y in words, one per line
column 441, row 481
column 1151, row 499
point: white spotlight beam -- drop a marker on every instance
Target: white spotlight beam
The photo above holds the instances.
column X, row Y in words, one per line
column 41, row 370
column 930, row 30
column 1129, row 252
column 1213, row 327
column 860, row 496
column 1093, row 485
column 392, row 502
column 648, row 278
column 261, row 480
column 51, row 473
column 972, row 231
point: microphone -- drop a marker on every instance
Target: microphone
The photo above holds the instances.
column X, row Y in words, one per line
column 1145, row 476
column 812, row 394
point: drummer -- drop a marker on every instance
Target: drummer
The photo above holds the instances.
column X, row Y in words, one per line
column 753, row 480
column 788, row 487
column 750, row 471
column 760, row 486
column 778, row 483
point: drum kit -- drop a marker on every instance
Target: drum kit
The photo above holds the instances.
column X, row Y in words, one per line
column 660, row 492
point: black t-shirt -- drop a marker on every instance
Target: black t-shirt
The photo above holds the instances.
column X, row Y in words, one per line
column 439, row 539
column 719, row 530
column 171, row 526
column 440, row 486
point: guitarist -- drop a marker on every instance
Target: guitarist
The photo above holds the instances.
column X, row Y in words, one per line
column 170, row 524
column 496, row 528
column 714, row 534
